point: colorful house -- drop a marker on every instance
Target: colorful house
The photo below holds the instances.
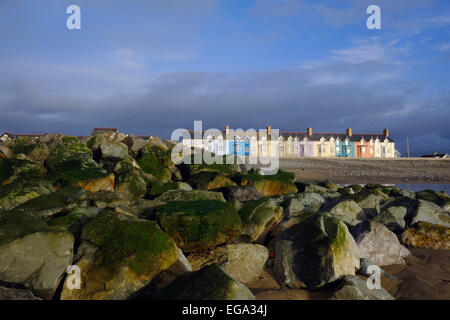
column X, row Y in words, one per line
column 298, row 144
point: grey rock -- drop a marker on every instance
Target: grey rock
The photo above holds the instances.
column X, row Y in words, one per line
column 355, row 288
column 393, row 218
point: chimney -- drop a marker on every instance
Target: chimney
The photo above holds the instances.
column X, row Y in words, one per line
column 268, row 130
column 386, row 132
column 349, row 132
column 309, row 131
column 227, row 129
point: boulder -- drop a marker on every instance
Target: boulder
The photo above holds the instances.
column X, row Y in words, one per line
column 370, row 204
column 241, row 193
column 429, row 212
column 317, row 251
column 323, row 191
column 16, row 294
column 393, row 218
column 427, row 236
column 209, row 283
column 199, row 224
column 157, row 162
column 13, row 169
column 270, row 185
column 355, row 288
column 379, row 244
column 159, row 188
column 131, row 181
column 74, row 220
column 302, row 204
column 108, row 199
column 60, row 201
column 349, row 212
column 189, row 195
column 364, row 269
column 259, row 218
column 113, row 151
column 438, row 198
column 98, row 184
column 119, row 255
column 23, row 190
column 134, row 144
column 210, row 181
column 244, row 262
column 32, row 254
column 5, row 152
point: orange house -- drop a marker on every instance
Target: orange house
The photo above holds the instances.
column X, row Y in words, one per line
column 365, row 148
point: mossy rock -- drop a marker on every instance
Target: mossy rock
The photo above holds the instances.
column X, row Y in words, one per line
column 6, row 170
column 130, row 252
column 77, row 168
column 159, row 188
column 220, row 168
column 152, row 163
column 11, row 169
column 210, row 181
column 317, row 251
column 259, row 218
column 24, row 145
column 209, row 283
column 427, row 236
column 201, row 224
column 349, row 212
column 130, row 180
column 68, row 149
column 60, row 201
column 32, row 254
column 189, row 195
column 269, row 185
column 74, row 220
column 22, row 190
column 439, row 198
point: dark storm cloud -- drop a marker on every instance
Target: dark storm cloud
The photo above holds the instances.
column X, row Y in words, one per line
column 329, row 97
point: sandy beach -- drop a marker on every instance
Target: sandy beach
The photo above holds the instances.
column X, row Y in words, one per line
column 426, row 275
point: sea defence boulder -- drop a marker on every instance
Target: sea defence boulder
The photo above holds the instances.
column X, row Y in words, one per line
column 355, row 288
column 211, row 282
column 243, row 261
column 241, row 193
column 189, row 195
column 348, row 211
column 427, row 236
column 429, row 212
column 379, row 244
column 210, row 181
column 302, row 204
column 270, row 185
column 314, row 252
column 158, row 188
column 393, row 218
column 259, row 218
column 131, row 181
column 32, row 254
column 156, row 161
column 438, row 198
column 22, row 190
column 199, row 224
column 119, row 255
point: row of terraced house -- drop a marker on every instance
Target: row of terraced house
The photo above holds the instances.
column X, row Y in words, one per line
column 295, row 144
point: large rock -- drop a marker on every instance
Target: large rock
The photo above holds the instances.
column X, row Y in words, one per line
column 14, row 169
column 98, row 184
column 131, row 182
column 210, row 181
column 379, row 244
column 426, row 235
column 349, row 212
column 439, row 198
column 32, row 254
column 74, row 220
column 134, row 144
column 21, row 191
column 393, row 218
column 5, row 152
column 302, row 205
column 157, row 162
column 119, row 255
column 209, row 283
column 259, row 218
column 189, row 195
column 200, row 224
column 16, row 294
column 244, row 262
column 107, row 199
column 61, row 201
column 317, row 251
column 355, row 288
column 370, row 203
column 429, row 212
column 159, row 188
column 270, row 185
column 241, row 193
column 323, row 191
column 113, row 151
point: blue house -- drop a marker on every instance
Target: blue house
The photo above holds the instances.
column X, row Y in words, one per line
column 345, row 148
column 240, row 147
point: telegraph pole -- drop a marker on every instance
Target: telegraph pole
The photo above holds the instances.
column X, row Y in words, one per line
column 407, row 146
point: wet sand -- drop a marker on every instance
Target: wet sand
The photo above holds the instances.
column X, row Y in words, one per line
column 426, row 275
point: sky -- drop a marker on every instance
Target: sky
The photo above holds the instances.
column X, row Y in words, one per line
column 151, row 66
